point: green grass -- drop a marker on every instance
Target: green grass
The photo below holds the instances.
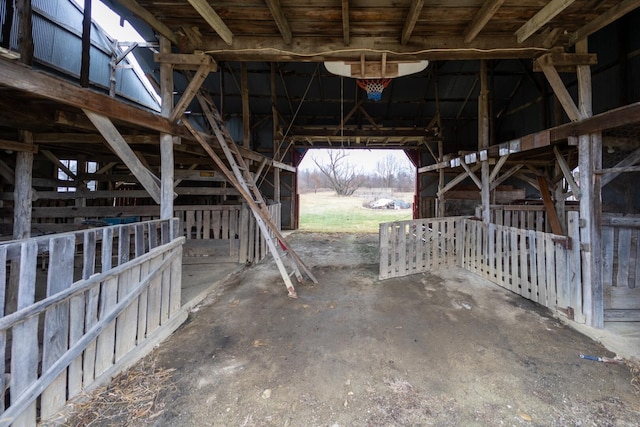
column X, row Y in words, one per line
column 324, row 212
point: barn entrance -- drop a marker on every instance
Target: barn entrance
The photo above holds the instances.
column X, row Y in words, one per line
column 354, row 190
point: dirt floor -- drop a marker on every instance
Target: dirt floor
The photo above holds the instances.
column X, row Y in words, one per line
column 440, row 349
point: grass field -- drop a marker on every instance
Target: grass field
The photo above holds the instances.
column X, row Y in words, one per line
column 327, row 212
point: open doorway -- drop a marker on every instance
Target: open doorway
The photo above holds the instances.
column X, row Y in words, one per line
column 354, row 190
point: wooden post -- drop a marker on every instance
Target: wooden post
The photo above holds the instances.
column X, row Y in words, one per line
column 589, row 159
column 166, row 140
column 23, row 193
column 86, row 44
column 25, row 35
column 276, row 145
column 483, row 139
column 246, row 125
column 22, row 196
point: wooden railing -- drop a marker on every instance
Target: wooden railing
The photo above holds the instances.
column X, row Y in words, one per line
column 108, row 295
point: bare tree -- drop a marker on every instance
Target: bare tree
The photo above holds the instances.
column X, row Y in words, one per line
column 344, row 179
column 388, row 169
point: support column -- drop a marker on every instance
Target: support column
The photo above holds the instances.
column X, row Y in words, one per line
column 23, row 193
column 483, row 140
column 22, row 204
column 276, row 143
column 590, row 158
column 246, row 125
column 166, row 140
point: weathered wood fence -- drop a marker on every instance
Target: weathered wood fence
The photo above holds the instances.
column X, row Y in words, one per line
column 409, row 247
column 539, row 266
column 107, row 297
column 214, row 233
column 226, row 233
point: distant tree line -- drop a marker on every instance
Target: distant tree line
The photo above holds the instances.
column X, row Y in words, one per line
column 340, row 175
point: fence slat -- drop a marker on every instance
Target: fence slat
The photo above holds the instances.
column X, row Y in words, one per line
column 24, row 345
column 56, row 321
column 93, row 299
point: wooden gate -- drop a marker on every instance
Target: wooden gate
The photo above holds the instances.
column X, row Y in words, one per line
column 409, row 247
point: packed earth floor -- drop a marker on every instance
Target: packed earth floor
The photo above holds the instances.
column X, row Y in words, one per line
column 445, row 348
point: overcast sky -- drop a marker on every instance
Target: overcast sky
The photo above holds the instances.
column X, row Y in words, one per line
column 360, row 158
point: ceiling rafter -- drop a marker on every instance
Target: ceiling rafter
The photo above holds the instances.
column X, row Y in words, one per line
column 213, row 19
column 345, row 22
column 605, row 19
column 146, row 16
column 546, row 14
column 484, row 15
column 281, row 20
column 410, row 21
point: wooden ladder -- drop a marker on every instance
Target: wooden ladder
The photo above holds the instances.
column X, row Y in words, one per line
column 240, row 176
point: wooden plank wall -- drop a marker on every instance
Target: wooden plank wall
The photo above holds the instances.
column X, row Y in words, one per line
column 409, row 247
column 621, row 268
column 97, row 317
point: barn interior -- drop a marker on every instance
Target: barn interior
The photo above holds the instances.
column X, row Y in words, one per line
column 526, row 115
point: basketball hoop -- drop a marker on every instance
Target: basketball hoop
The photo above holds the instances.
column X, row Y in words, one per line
column 373, row 87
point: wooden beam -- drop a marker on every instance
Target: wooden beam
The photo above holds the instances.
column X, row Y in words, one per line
column 185, row 61
column 566, row 172
column 17, row 146
column 326, row 49
column 472, row 175
column 42, row 85
column 213, row 19
column 57, row 163
column 281, row 20
column 148, row 17
column 345, row 22
column 410, row 20
column 546, row 14
column 187, row 96
column 484, row 15
column 496, row 169
column 565, row 61
column 499, row 180
column 560, row 90
column 552, row 215
column 628, row 161
column 611, row 15
column 457, row 180
column 120, row 147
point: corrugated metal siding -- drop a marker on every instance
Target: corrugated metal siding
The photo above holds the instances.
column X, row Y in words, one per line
column 57, row 37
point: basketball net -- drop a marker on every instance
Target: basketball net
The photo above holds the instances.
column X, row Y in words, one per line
column 373, row 87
